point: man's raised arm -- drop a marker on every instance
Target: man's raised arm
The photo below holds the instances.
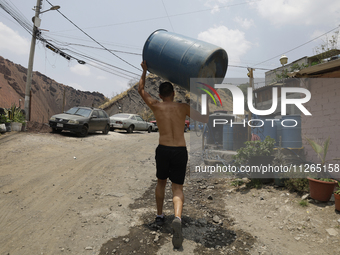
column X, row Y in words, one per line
column 146, row 97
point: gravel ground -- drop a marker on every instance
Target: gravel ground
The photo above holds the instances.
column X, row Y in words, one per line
column 60, row 194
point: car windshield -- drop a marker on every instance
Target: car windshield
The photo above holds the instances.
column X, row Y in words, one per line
column 121, row 116
column 79, row 111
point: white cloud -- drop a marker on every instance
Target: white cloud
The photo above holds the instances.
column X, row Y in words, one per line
column 233, row 41
column 245, row 23
column 12, row 41
column 82, row 70
column 307, row 12
column 216, row 4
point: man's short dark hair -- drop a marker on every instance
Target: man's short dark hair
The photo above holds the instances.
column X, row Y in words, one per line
column 166, row 89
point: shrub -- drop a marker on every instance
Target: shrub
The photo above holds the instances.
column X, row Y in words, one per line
column 14, row 114
column 300, row 185
column 254, row 148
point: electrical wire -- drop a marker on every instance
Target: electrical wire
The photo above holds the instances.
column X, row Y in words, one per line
column 67, row 47
column 248, row 66
column 26, row 24
column 173, row 30
column 16, row 15
column 97, row 48
column 64, row 46
column 83, row 40
column 297, row 46
column 95, row 40
column 99, row 61
column 169, row 16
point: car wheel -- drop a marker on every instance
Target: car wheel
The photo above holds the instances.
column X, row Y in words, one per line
column 106, row 130
column 130, row 129
column 149, row 129
column 84, row 131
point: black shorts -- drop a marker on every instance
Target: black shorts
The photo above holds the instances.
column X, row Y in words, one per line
column 171, row 162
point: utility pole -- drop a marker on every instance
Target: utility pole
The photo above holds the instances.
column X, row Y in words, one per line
column 251, row 82
column 30, row 61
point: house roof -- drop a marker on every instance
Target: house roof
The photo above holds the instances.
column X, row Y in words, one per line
column 312, row 71
column 324, row 55
column 322, row 68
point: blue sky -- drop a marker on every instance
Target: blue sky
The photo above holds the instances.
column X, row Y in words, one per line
column 251, row 32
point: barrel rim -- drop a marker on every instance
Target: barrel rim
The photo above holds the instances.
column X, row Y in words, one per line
column 161, row 29
column 218, row 49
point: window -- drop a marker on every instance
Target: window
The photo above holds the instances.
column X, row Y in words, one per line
column 95, row 114
column 101, row 114
column 122, row 116
column 79, row 111
column 72, row 110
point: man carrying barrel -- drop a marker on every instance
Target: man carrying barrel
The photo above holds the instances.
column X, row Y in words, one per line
column 171, row 153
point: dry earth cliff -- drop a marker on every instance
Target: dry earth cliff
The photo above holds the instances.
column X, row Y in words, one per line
column 47, row 94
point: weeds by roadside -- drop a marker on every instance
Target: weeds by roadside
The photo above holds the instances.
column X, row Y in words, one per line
column 303, row 203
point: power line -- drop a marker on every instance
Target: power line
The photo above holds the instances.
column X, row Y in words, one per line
column 248, row 66
column 95, row 40
column 63, row 46
column 99, row 61
column 26, row 24
column 97, row 48
column 109, row 43
column 169, row 16
column 85, row 56
column 297, row 46
column 17, row 15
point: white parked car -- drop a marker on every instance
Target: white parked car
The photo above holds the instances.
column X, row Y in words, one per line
column 154, row 125
column 129, row 122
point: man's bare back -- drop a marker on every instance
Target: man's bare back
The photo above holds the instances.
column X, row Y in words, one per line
column 170, row 116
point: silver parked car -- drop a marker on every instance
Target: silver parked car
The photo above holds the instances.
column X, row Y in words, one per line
column 129, row 122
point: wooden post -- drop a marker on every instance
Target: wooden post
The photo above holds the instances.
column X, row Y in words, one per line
column 251, row 81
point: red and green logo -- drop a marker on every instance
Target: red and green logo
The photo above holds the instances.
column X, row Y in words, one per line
column 209, row 93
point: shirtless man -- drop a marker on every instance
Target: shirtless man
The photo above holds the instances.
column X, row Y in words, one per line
column 171, row 153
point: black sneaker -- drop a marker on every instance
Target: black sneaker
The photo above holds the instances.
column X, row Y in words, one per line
column 160, row 220
column 177, row 238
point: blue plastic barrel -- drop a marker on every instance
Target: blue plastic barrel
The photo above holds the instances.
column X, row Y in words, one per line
column 178, row 58
column 263, row 127
column 291, row 136
column 227, row 137
column 240, row 135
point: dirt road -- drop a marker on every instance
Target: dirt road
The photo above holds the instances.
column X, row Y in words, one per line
column 64, row 193
column 60, row 194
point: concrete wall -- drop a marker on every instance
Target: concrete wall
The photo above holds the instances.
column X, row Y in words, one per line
column 325, row 120
column 271, row 75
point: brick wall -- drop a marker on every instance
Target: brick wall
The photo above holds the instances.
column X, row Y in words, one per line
column 325, row 120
